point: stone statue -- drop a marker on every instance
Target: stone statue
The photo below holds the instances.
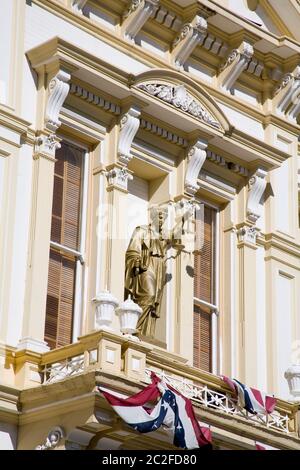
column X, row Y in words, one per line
column 146, row 271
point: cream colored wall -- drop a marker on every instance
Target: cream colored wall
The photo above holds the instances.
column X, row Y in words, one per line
column 249, row 274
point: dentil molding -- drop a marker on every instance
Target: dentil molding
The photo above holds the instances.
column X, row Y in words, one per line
column 235, row 64
column 191, row 35
column 195, row 159
column 129, row 126
column 256, row 188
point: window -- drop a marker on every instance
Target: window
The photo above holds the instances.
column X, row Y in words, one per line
column 66, row 245
column 205, row 295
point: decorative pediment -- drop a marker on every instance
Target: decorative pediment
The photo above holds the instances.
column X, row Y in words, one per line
column 179, row 97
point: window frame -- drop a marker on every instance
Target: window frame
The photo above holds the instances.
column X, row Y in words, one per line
column 80, row 254
column 213, row 307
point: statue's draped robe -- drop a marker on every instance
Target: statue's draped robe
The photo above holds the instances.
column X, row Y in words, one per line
column 146, row 252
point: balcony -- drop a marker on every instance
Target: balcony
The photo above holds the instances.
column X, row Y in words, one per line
column 71, row 374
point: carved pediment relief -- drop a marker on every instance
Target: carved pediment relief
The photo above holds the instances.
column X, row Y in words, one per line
column 179, row 97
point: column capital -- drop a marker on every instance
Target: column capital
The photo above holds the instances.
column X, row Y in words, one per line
column 118, row 177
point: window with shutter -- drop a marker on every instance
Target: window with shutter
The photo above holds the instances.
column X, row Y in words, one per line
column 204, row 293
column 64, row 245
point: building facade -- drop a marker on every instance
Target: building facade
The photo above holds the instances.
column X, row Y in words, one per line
column 114, row 110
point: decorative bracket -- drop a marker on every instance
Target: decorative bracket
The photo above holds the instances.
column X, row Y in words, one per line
column 54, row 437
column 58, row 91
column 118, row 177
column 235, row 64
column 190, row 36
column 78, row 5
column 257, row 186
column 136, row 16
column 129, row 126
column 195, row 158
column 287, row 94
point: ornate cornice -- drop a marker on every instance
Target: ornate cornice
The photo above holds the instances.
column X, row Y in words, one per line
column 179, row 97
column 129, row 125
column 191, row 35
column 256, row 188
column 195, row 159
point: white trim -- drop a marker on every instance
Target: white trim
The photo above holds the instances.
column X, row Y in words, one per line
column 80, row 266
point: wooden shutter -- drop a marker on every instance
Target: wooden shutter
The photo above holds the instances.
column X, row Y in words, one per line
column 204, row 261
column 65, row 230
column 204, row 289
column 202, row 338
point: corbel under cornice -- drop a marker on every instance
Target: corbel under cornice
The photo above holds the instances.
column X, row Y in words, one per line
column 191, row 35
column 196, row 156
column 287, row 95
column 136, row 16
column 256, row 188
column 236, row 62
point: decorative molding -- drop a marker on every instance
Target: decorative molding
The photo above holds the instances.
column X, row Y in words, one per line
column 221, row 161
column 247, row 234
column 167, row 18
column 215, row 45
column 257, row 186
column 54, row 437
column 129, row 126
column 46, row 144
column 78, row 5
column 118, row 176
column 195, row 159
column 160, row 132
column 287, row 95
column 97, row 100
column 179, row 97
column 136, row 16
column 235, row 64
column 191, row 35
column 58, row 90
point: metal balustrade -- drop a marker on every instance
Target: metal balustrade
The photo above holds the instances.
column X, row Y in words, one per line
column 222, row 402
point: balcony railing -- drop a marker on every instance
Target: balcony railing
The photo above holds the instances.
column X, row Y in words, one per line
column 205, row 389
column 223, row 402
